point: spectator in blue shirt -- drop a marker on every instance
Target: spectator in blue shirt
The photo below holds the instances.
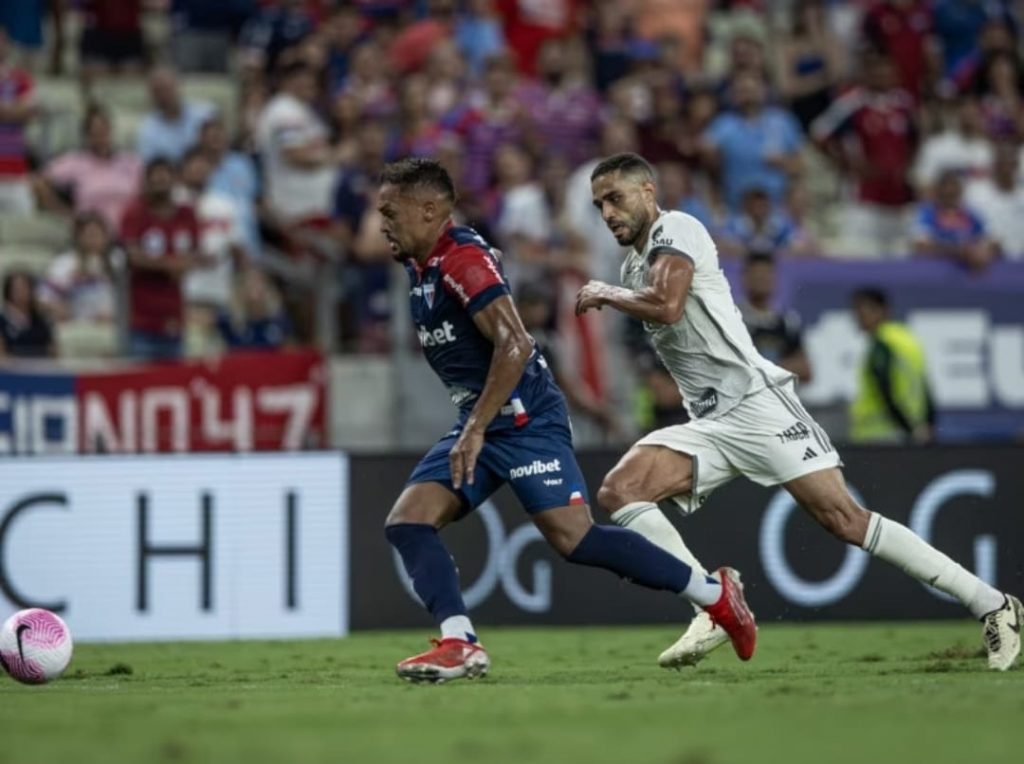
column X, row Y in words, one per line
column 23, row 20
column 755, row 145
column 258, row 321
column 679, row 192
column 958, row 25
column 761, row 227
column 478, row 34
column 172, row 128
column 282, row 24
column 365, row 274
column 946, row 228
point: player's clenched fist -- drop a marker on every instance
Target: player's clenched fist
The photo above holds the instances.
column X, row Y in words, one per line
column 592, row 295
column 463, row 456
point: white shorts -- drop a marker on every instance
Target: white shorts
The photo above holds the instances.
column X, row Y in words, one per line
column 768, row 437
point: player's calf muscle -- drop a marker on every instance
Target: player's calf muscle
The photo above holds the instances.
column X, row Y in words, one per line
column 824, row 496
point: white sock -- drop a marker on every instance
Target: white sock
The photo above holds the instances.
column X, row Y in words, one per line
column 702, row 590
column 899, row 545
column 458, row 627
column 645, row 518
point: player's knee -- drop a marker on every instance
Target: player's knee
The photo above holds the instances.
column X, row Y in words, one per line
column 564, row 532
column 407, row 513
column 618, row 490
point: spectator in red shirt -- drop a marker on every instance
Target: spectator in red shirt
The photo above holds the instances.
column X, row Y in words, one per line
column 161, row 239
column 870, row 132
column 17, row 107
column 412, row 45
column 902, row 28
column 112, row 37
column 531, row 23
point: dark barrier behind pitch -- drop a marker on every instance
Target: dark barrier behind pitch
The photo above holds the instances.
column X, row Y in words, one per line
column 968, row 500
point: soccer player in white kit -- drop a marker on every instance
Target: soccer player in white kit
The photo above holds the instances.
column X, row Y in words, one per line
column 745, row 416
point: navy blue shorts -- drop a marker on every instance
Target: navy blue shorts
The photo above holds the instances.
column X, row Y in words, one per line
column 537, row 461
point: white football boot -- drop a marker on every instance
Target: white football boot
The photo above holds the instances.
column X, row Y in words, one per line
column 1001, row 633
column 701, row 638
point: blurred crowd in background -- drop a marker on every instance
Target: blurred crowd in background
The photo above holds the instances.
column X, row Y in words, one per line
column 187, row 176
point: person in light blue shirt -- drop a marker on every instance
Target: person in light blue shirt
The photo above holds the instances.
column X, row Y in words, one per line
column 234, row 175
column 478, row 34
column 755, row 145
column 172, row 128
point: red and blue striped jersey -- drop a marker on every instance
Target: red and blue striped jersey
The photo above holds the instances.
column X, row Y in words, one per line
column 461, row 276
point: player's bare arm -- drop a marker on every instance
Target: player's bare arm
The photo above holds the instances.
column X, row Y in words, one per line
column 500, row 323
column 661, row 302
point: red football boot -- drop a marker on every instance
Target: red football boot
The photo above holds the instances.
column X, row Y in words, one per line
column 450, row 658
column 733, row 615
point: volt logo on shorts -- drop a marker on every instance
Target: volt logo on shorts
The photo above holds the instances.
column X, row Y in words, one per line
column 536, row 468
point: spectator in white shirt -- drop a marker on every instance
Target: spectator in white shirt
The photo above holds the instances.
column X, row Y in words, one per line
column 293, row 142
column 78, row 284
column 999, row 200
column 221, row 235
column 962, row 146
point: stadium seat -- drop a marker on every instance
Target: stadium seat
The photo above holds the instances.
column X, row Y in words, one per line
column 126, row 128
column 86, row 339
column 122, row 94
column 219, row 90
column 25, row 257
column 39, row 230
column 58, row 126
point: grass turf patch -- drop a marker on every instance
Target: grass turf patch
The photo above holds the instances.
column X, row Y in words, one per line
column 837, row 693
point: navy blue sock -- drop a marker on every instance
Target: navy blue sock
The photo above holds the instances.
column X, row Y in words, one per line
column 631, row 556
column 430, row 567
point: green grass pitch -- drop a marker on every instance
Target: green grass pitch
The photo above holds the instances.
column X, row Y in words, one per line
column 864, row 694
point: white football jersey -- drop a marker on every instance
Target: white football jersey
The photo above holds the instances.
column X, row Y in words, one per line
column 708, row 351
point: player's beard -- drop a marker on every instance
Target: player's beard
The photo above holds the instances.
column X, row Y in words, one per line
column 634, row 227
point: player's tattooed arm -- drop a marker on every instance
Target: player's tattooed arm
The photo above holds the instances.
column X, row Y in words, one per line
column 660, row 302
column 500, row 323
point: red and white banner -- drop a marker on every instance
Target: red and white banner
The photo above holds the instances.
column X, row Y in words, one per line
column 239, row 402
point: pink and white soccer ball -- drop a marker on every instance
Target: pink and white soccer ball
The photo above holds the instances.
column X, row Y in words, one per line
column 35, row 646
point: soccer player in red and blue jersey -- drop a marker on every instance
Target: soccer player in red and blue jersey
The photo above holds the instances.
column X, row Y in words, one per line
column 513, row 427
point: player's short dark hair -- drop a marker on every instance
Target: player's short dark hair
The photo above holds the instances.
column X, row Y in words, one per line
column 627, row 163
column 871, row 294
column 414, row 173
